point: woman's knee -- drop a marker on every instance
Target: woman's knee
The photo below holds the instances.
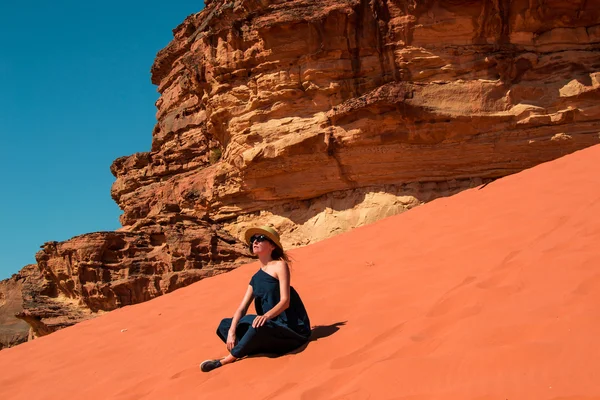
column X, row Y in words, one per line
column 224, row 327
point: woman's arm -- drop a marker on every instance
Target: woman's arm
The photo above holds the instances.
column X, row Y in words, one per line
column 239, row 313
column 282, row 272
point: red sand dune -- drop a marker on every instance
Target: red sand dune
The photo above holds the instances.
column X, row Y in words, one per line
column 491, row 294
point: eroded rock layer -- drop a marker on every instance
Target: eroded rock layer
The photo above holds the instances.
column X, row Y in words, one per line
column 89, row 274
column 12, row 330
column 300, row 113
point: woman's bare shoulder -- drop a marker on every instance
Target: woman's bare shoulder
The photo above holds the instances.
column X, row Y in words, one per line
column 279, row 265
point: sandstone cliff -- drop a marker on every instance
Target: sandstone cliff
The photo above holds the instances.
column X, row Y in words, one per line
column 320, row 116
column 12, row 330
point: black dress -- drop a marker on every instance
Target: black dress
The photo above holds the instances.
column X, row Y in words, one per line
column 282, row 334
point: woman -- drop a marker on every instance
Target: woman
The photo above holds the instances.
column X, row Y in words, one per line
column 282, row 324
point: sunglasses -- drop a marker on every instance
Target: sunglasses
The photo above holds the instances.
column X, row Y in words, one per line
column 258, row 238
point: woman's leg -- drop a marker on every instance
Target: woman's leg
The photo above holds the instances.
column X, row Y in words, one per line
column 270, row 338
column 223, row 332
column 223, row 329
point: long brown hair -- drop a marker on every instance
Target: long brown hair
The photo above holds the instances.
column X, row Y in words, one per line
column 279, row 254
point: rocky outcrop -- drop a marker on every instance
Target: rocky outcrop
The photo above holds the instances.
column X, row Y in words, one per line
column 107, row 270
column 12, row 330
column 97, row 272
column 318, row 117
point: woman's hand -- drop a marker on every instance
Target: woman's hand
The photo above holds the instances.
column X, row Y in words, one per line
column 230, row 340
column 260, row 321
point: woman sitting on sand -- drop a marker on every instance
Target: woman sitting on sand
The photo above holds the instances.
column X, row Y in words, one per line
column 282, row 324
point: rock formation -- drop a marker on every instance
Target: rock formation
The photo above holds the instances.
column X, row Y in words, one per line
column 320, row 116
column 80, row 278
column 12, row 330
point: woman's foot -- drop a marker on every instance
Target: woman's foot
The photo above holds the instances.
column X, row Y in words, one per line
column 209, row 365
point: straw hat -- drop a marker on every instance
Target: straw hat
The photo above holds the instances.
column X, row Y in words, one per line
column 264, row 230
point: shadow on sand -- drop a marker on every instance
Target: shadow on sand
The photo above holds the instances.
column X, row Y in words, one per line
column 319, row 332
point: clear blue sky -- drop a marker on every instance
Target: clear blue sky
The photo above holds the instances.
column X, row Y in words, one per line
column 75, row 94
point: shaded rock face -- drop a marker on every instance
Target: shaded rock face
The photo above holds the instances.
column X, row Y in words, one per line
column 107, row 270
column 317, row 117
column 89, row 274
column 12, row 330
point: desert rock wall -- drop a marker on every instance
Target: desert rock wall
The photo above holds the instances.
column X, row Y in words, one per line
column 83, row 277
column 274, row 109
column 13, row 331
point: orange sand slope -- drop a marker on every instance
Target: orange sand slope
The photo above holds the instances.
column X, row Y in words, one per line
column 491, row 294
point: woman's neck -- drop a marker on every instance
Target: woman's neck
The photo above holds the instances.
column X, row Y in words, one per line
column 264, row 259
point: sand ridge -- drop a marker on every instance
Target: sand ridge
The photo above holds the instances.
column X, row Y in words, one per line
column 490, row 294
